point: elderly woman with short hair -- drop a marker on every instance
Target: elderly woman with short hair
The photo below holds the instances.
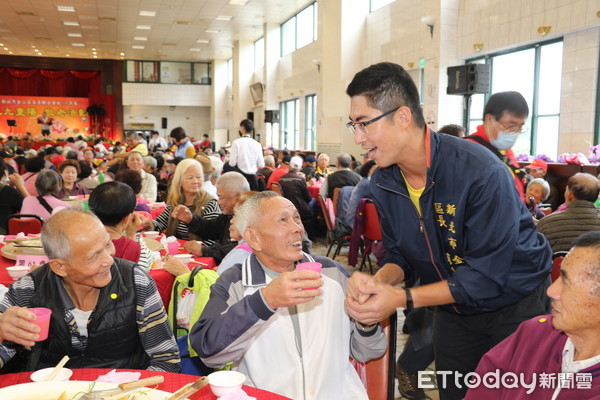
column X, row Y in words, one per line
column 135, row 162
column 69, row 170
column 47, row 184
column 537, row 191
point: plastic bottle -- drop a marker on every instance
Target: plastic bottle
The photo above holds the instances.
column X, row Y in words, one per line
column 101, row 177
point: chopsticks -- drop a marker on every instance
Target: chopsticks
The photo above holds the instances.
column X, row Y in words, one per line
column 189, row 389
column 198, row 262
column 57, row 369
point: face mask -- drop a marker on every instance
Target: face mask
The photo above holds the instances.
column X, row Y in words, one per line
column 504, row 141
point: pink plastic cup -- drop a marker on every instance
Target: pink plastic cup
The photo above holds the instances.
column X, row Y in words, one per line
column 310, row 266
column 43, row 321
column 173, row 247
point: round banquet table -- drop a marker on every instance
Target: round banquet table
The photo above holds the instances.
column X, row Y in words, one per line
column 171, row 384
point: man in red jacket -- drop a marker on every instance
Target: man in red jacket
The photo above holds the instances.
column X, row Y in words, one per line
column 504, row 118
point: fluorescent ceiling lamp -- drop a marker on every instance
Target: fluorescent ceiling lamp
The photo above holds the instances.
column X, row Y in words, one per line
column 138, row 47
column 141, row 38
column 238, row 2
column 194, row 49
column 147, row 14
column 71, row 23
column 202, row 41
column 145, row 27
column 74, row 35
column 65, row 8
column 211, row 31
column 77, row 44
column 224, row 18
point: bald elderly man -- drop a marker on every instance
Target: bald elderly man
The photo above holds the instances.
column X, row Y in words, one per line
column 106, row 312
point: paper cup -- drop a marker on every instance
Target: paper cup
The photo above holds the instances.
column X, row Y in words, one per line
column 43, row 321
column 173, row 247
column 310, row 266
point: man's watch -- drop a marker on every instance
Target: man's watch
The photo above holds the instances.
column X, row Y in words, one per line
column 409, row 300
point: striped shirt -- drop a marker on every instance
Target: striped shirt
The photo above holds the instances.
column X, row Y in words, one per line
column 161, row 222
column 154, row 330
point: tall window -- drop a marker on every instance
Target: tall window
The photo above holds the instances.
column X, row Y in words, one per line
column 290, row 124
column 535, row 72
column 299, row 30
column 310, row 122
column 377, row 4
column 259, row 53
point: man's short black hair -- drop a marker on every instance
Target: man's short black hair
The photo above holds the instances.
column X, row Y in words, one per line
column 131, row 178
column 35, row 164
column 387, row 86
column 501, row 102
column 248, row 125
column 178, row 133
column 364, row 170
column 111, row 202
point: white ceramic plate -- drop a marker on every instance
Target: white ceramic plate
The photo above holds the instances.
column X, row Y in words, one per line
column 52, row 390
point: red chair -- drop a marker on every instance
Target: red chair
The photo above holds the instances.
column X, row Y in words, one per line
column 380, row 371
column 557, row 259
column 332, row 235
column 26, row 223
column 275, row 187
column 371, row 233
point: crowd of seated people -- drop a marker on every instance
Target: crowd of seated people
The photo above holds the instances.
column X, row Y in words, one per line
column 202, row 207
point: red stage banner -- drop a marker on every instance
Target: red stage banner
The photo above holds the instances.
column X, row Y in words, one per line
column 66, row 116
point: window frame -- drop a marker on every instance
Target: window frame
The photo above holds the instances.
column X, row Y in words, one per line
column 295, row 19
column 138, row 75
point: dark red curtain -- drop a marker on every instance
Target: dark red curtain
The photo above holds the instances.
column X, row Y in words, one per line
column 61, row 83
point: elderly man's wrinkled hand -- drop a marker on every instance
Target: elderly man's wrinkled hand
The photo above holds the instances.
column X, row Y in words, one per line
column 16, row 326
column 182, row 213
column 291, row 288
column 193, row 247
column 382, row 301
column 174, row 266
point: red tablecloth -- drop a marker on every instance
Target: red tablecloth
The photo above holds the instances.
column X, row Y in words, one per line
column 171, row 384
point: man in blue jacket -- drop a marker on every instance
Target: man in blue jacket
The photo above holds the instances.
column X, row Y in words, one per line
column 451, row 216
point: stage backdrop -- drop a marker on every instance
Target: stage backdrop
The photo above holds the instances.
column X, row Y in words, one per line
column 68, row 114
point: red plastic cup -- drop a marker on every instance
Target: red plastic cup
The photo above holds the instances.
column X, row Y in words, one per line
column 310, row 266
column 173, row 247
column 43, row 321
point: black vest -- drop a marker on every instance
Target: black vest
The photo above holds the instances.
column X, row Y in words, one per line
column 341, row 178
column 113, row 339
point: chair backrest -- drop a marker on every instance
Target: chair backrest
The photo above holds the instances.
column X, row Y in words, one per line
column 380, row 371
column 557, row 259
column 372, row 226
column 336, row 196
column 26, row 223
column 326, row 214
column 276, row 188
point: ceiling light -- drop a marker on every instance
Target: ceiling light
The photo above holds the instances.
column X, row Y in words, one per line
column 10, row 52
column 147, row 14
column 39, row 54
column 224, row 18
column 95, row 56
column 122, row 54
column 65, row 8
column 93, row 49
column 1, row 44
column 238, row 2
column 194, row 49
column 211, row 31
column 68, row 55
column 77, row 44
column 145, row 27
column 138, row 47
column 141, row 38
column 74, row 35
column 71, row 23
column 202, row 41
column 6, row 48
column 36, row 50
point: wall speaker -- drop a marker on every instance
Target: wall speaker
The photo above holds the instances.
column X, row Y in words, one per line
column 272, row 116
column 163, row 123
column 469, row 79
column 250, row 115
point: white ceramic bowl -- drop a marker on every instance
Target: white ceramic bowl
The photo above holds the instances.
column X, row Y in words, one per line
column 224, row 382
column 184, row 258
column 17, row 272
column 63, row 375
column 151, row 234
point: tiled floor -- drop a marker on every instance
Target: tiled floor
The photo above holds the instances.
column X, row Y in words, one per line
column 320, row 248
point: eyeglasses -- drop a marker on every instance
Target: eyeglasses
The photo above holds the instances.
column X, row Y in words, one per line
column 361, row 127
column 514, row 130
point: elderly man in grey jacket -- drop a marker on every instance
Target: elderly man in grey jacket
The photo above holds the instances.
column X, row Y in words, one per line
column 581, row 215
column 286, row 329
